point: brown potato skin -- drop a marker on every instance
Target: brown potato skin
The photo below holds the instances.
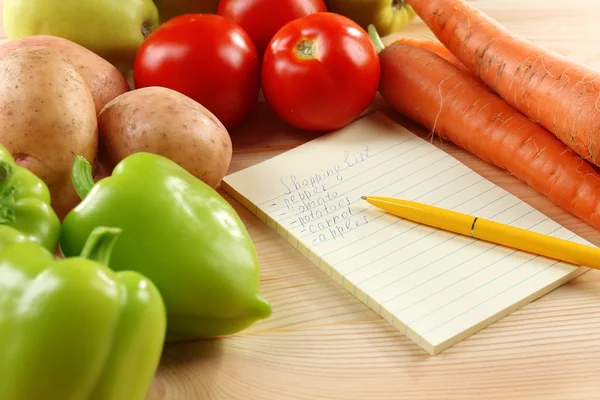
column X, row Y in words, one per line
column 105, row 81
column 163, row 121
column 47, row 117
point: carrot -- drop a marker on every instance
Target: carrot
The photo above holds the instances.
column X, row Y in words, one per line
column 434, row 46
column 559, row 94
column 458, row 107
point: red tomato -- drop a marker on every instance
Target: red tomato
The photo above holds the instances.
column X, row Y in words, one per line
column 206, row 57
column 320, row 72
column 263, row 18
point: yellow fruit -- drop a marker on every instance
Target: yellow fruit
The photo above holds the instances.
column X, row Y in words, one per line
column 113, row 29
column 387, row 16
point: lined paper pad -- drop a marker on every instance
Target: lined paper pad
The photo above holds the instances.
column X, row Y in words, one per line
column 434, row 286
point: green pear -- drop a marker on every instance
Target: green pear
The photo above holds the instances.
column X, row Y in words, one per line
column 113, row 29
column 388, row 16
column 168, row 9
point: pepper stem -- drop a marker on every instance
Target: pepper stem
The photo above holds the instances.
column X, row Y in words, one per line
column 100, row 243
column 7, row 205
column 379, row 46
column 6, row 171
column 81, row 176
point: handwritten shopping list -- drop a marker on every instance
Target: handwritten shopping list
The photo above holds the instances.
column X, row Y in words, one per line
column 436, row 287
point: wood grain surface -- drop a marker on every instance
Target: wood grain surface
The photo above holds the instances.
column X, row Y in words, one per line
column 321, row 343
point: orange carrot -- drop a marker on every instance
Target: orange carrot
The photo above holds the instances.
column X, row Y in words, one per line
column 434, row 46
column 559, row 94
column 458, row 107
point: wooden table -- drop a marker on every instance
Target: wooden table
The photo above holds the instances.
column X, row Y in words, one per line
column 321, row 343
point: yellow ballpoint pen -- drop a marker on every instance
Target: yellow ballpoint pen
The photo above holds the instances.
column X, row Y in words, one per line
column 490, row 231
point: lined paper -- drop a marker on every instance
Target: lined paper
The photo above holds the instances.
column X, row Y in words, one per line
column 436, row 287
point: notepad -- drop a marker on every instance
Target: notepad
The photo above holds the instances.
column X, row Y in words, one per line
column 435, row 287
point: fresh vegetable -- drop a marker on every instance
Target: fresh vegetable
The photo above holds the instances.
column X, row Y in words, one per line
column 320, row 72
column 435, row 46
column 456, row 106
column 25, row 205
column 113, row 29
column 263, row 18
column 557, row 93
column 47, row 117
column 209, row 58
column 104, row 79
column 388, row 16
column 162, row 121
column 73, row 328
column 181, row 234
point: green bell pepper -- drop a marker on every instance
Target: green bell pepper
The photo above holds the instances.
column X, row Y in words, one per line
column 75, row 329
column 25, row 204
column 181, row 234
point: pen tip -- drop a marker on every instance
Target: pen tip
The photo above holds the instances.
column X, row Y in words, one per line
column 363, row 197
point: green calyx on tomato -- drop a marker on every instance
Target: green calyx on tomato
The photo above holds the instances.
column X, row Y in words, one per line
column 306, row 49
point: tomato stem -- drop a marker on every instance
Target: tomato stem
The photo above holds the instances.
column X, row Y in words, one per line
column 306, row 48
column 379, row 46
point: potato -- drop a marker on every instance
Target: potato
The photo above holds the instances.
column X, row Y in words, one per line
column 47, row 117
column 165, row 122
column 104, row 79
